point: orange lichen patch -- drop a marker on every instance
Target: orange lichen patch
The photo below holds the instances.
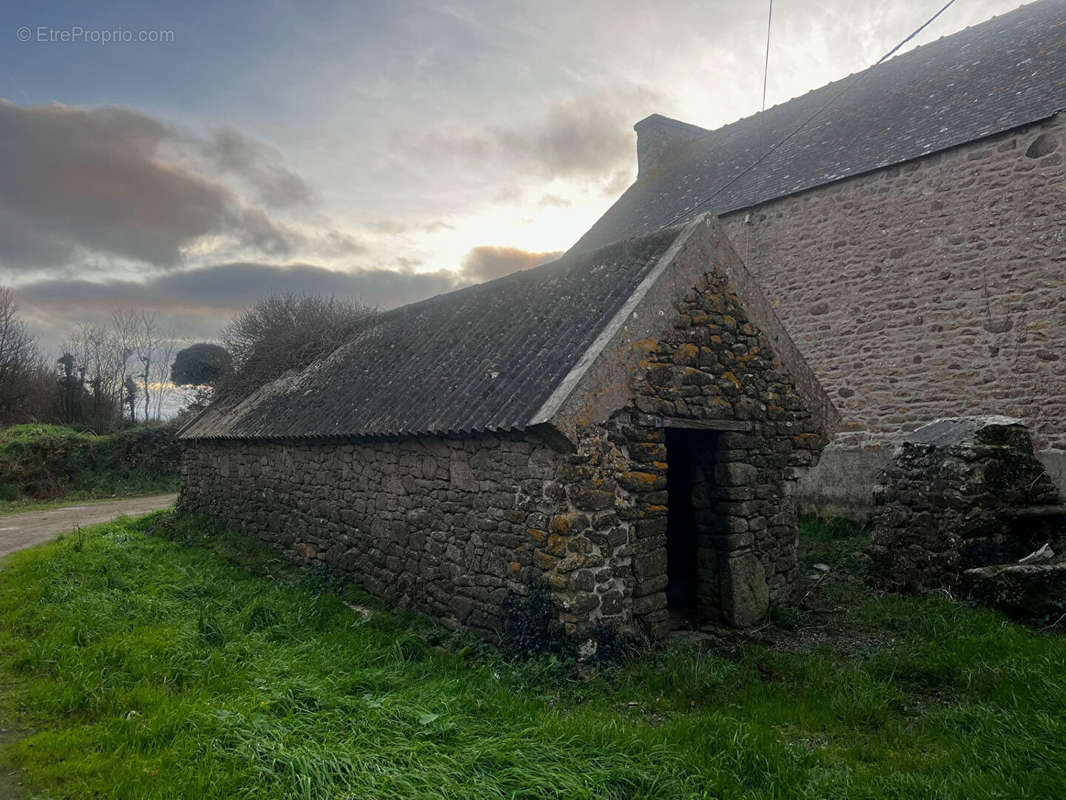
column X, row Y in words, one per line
column 579, row 544
column 808, row 441
column 560, row 523
column 659, row 465
column 544, row 560
column 654, row 510
column 642, row 477
column 305, row 552
column 646, row 345
column 729, row 321
column 536, row 535
column 729, row 376
column 642, row 481
column 556, row 545
column 720, row 403
column 514, row 568
column 686, row 354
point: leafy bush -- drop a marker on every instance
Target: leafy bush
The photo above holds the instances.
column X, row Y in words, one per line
column 46, row 461
column 530, row 621
column 614, row 646
column 531, row 628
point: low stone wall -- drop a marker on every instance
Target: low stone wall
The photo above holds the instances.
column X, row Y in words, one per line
column 842, row 483
column 960, row 493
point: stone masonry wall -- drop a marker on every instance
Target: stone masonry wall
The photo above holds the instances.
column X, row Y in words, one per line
column 930, row 289
column 716, row 366
column 447, row 526
column 958, row 494
column 444, row 526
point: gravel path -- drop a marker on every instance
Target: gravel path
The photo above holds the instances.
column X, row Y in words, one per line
column 33, row 527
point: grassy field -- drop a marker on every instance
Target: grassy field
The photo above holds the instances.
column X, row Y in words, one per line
column 140, row 666
column 43, row 464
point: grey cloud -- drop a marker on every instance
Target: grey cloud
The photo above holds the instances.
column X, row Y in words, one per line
column 196, row 304
column 389, row 227
column 486, row 262
column 229, row 287
column 82, row 181
column 394, row 227
column 553, row 201
column 259, row 164
column 580, row 137
column 334, row 244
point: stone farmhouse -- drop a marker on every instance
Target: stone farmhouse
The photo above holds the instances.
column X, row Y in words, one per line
column 636, row 421
column 911, row 236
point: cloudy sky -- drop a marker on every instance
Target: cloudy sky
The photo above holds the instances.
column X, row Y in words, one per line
column 384, row 150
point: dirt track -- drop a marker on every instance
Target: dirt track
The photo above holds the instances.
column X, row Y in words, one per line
column 33, row 527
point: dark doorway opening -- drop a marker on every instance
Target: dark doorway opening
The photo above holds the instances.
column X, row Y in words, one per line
column 688, row 453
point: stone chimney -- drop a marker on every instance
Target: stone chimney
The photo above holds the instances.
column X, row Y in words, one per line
column 657, row 136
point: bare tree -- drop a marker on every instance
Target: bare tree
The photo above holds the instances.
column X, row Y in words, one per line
column 18, row 349
column 154, row 350
column 161, row 375
column 96, row 355
column 27, row 388
column 124, row 328
column 147, row 341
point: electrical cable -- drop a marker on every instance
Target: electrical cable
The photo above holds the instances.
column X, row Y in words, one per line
column 861, row 76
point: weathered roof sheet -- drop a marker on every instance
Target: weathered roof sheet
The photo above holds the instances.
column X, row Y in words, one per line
column 478, row 359
column 998, row 75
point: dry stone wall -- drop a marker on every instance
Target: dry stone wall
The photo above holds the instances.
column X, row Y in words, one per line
column 444, row 526
column 929, row 289
column 960, row 493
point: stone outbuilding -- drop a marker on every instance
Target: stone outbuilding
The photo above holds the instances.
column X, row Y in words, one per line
column 626, row 422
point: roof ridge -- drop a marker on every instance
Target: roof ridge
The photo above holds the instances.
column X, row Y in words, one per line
column 673, row 155
column 999, row 74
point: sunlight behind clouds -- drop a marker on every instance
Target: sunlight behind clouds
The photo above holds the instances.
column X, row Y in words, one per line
column 388, row 142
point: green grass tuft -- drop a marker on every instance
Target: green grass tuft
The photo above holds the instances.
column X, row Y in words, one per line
column 143, row 666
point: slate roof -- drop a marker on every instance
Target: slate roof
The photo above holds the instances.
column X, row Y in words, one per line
column 986, row 79
column 483, row 358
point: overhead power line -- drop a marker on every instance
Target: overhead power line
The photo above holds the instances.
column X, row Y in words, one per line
column 702, row 204
column 766, row 63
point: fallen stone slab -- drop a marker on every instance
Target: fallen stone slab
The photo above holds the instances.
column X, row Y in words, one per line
column 1026, row 592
